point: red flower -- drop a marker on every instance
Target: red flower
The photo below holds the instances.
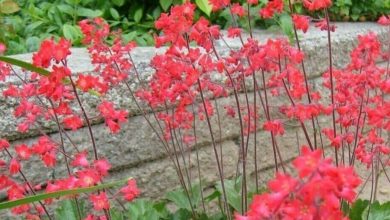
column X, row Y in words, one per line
column 219, row 4
column 314, row 5
column 100, row 201
column 80, row 160
column 87, row 177
column 238, row 10
column 301, row 22
column 102, row 166
column 272, row 7
column 275, row 126
column 253, row 2
column 4, row 144
column 73, row 122
column 84, row 82
column 315, row 195
column 383, row 20
column 130, row 191
column 14, row 166
column 23, row 151
column 49, row 50
column 234, row 32
column 112, row 117
column 308, row 162
column 3, row 48
column 323, row 26
column 49, row 159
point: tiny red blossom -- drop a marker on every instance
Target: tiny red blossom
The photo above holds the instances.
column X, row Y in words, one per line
column 100, row 201
column 130, row 191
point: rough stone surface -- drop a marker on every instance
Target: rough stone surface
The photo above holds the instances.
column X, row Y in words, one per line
column 314, row 43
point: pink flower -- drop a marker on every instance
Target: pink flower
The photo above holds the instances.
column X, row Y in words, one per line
column 100, row 201
column 130, row 191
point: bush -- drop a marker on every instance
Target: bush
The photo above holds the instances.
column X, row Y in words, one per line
column 27, row 23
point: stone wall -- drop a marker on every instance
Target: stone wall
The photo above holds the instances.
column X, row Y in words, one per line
column 136, row 151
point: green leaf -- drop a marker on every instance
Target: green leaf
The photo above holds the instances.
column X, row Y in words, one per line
column 71, row 32
column 286, row 24
column 179, row 198
column 33, row 43
column 25, row 65
column 165, row 4
column 156, row 13
column 204, row 6
column 181, row 214
column 66, row 9
column 142, row 209
column 33, row 26
column 86, row 12
column 138, row 14
column 129, row 36
column 116, row 214
column 73, row 2
column 39, row 197
column 377, row 211
column 118, row 2
column 67, row 209
column 233, row 193
column 114, row 13
column 8, row 7
column 357, row 209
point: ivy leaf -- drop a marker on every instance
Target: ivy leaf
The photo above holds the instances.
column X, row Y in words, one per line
column 204, row 6
column 165, row 4
column 8, row 7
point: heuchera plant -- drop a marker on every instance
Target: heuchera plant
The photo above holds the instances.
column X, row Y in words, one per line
column 183, row 91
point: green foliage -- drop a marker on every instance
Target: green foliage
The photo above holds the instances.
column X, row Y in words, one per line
column 362, row 210
column 25, row 23
column 358, row 10
column 204, row 6
column 233, row 193
column 144, row 209
column 356, row 211
column 180, row 198
column 377, row 211
column 8, row 7
column 286, row 24
column 70, row 210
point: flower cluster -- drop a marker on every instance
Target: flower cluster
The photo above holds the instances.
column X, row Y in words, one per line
column 55, row 95
column 314, row 194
